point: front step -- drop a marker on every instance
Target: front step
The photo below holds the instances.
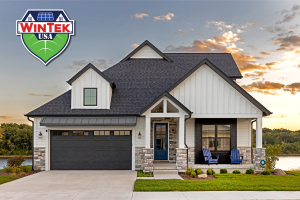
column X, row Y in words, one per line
column 164, row 166
column 166, row 174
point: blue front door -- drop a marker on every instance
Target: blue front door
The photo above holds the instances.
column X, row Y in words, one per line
column 161, row 141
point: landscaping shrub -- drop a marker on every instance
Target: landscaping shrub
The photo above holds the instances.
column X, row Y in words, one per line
column 223, row 171
column 193, row 174
column 15, row 161
column 266, row 172
column 198, row 171
column 250, row 171
column 16, row 170
column 140, row 173
column 8, row 169
column 271, row 170
column 26, row 168
column 13, row 175
column 188, row 171
column 236, row 171
column 210, row 171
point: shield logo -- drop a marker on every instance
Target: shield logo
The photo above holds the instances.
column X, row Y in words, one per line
column 45, row 33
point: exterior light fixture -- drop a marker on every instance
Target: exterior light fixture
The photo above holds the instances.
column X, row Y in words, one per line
column 140, row 135
column 40, row 135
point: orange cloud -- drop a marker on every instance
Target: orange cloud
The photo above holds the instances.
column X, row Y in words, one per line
column 141, row 15
column 5, row 117
column 266, row 87
column 276, row 116
column 264, row 53
column 292, row 88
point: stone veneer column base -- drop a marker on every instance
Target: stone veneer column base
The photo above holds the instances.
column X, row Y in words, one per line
column 258, row 155
column 39, row 158
column 139, row 156
column 181, row 159
column 191, row 155
column 148, row 157
column 246, row 153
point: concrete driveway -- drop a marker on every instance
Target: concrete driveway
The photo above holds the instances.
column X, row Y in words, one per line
column 71, row 185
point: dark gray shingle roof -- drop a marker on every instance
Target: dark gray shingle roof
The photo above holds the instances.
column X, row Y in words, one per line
column 139, row 82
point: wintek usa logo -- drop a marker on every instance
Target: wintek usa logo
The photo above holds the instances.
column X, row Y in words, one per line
column 45, row 33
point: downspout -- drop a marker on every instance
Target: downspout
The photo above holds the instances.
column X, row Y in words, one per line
column 32, row 147
column 187, row 148
column 252, row 140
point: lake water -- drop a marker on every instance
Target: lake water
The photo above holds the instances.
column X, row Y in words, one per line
column 284, row 163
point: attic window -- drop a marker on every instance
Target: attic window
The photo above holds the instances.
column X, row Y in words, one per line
column 90, row 96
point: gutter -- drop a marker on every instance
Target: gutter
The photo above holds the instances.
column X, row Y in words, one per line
column 32, row 148
column 252, row 140
column 187, row 148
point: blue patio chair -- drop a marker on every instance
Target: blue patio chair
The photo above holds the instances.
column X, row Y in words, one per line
column 209, row 158
column 235, row 156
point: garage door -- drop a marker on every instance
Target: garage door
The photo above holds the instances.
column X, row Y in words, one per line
column 90, row 150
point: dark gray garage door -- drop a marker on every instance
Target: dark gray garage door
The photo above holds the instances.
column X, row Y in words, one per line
column 90, row 150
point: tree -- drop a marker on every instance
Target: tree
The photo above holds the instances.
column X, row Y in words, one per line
column 271, row 158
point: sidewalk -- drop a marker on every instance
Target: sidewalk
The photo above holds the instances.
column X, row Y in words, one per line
column 218, row 195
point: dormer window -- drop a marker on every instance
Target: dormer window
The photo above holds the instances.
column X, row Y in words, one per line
column 90, row 96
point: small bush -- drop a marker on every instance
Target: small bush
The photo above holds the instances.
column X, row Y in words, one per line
column 188, row 171
column 271, row 170
column 193, row 174
column 15, row 161
column 198, row 171
column 140, row 173
column 210, row 171
column 236, row 171
column 250, row 171
column 266, row 172
column 26, row 168
column 8, row 169
column 13, row 175
column 223, row 171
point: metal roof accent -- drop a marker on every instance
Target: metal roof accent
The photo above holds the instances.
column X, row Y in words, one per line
column 89, row 121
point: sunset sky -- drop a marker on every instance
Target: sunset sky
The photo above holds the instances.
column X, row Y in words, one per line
column 262, row 36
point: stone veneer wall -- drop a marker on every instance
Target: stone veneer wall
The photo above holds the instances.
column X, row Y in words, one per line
column 181, row 159
column 39, row 158
column 139, row 156
column 191, row 155
column 172, row 136
column 258, row 155
column 148, row 157
column 246, row 153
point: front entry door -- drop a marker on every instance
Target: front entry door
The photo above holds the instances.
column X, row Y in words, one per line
column 161, row 141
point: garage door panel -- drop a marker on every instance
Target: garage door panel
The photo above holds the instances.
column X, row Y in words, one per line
column 90, row 152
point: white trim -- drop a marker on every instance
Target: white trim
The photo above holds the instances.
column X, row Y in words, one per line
column 157, row 122
column 164, row 115
column 133, row 150
column 226, row 115
column 47, row 152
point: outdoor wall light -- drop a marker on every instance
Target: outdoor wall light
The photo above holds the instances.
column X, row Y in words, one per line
column 40, row 135
column 140, row 135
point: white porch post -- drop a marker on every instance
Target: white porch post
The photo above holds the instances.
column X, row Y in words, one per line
column 181, row 133
column 259, row 132
column 147, row 132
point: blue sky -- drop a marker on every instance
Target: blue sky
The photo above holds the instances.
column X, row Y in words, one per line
column 107, row 31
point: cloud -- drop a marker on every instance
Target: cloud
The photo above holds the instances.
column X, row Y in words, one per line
column 135, row 45
column 274, row 29
column 223, row 43
column 199, row 34
column 102, row 64
column 43, row 95
column 166, row 17
column 292, row 88
column 284, row 11
column 289, row 15
column 220, row 25
column 276, row 116
column 251, row 23
column 266, row 87
column 141, row 15
column 5, row 117
column 239, row 31
column 295, row 7
column 191, row 29
column 293, row 27
column 255, row 74
column 180, row 32
column 287, row 43
column 261, row 28
column 264, row 53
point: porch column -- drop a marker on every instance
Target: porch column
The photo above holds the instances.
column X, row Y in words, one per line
column 259, row 132
column 147, row 132
column 181, row 133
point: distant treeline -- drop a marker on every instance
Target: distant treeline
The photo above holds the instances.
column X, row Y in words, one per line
column 15, row 139
column 289, row 141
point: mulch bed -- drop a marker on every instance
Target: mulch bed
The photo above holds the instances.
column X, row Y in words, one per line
column 188, row 177
column 20, row 175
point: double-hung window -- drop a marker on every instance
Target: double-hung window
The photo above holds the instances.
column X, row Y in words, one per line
column 90, row 96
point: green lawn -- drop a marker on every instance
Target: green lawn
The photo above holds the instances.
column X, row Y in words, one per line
column 4, row 179
column 224, row 182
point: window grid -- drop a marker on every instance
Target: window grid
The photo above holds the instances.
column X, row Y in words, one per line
column 90, row 96
column 45, row 16
column 216, row 137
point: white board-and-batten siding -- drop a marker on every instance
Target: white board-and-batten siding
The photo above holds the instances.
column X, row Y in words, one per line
column 91, row 79
column 146, row 52
column 208, row 95
column 244, row 132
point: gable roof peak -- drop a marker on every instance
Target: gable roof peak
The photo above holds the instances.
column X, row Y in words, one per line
column 146, row 42
column 87, row 67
